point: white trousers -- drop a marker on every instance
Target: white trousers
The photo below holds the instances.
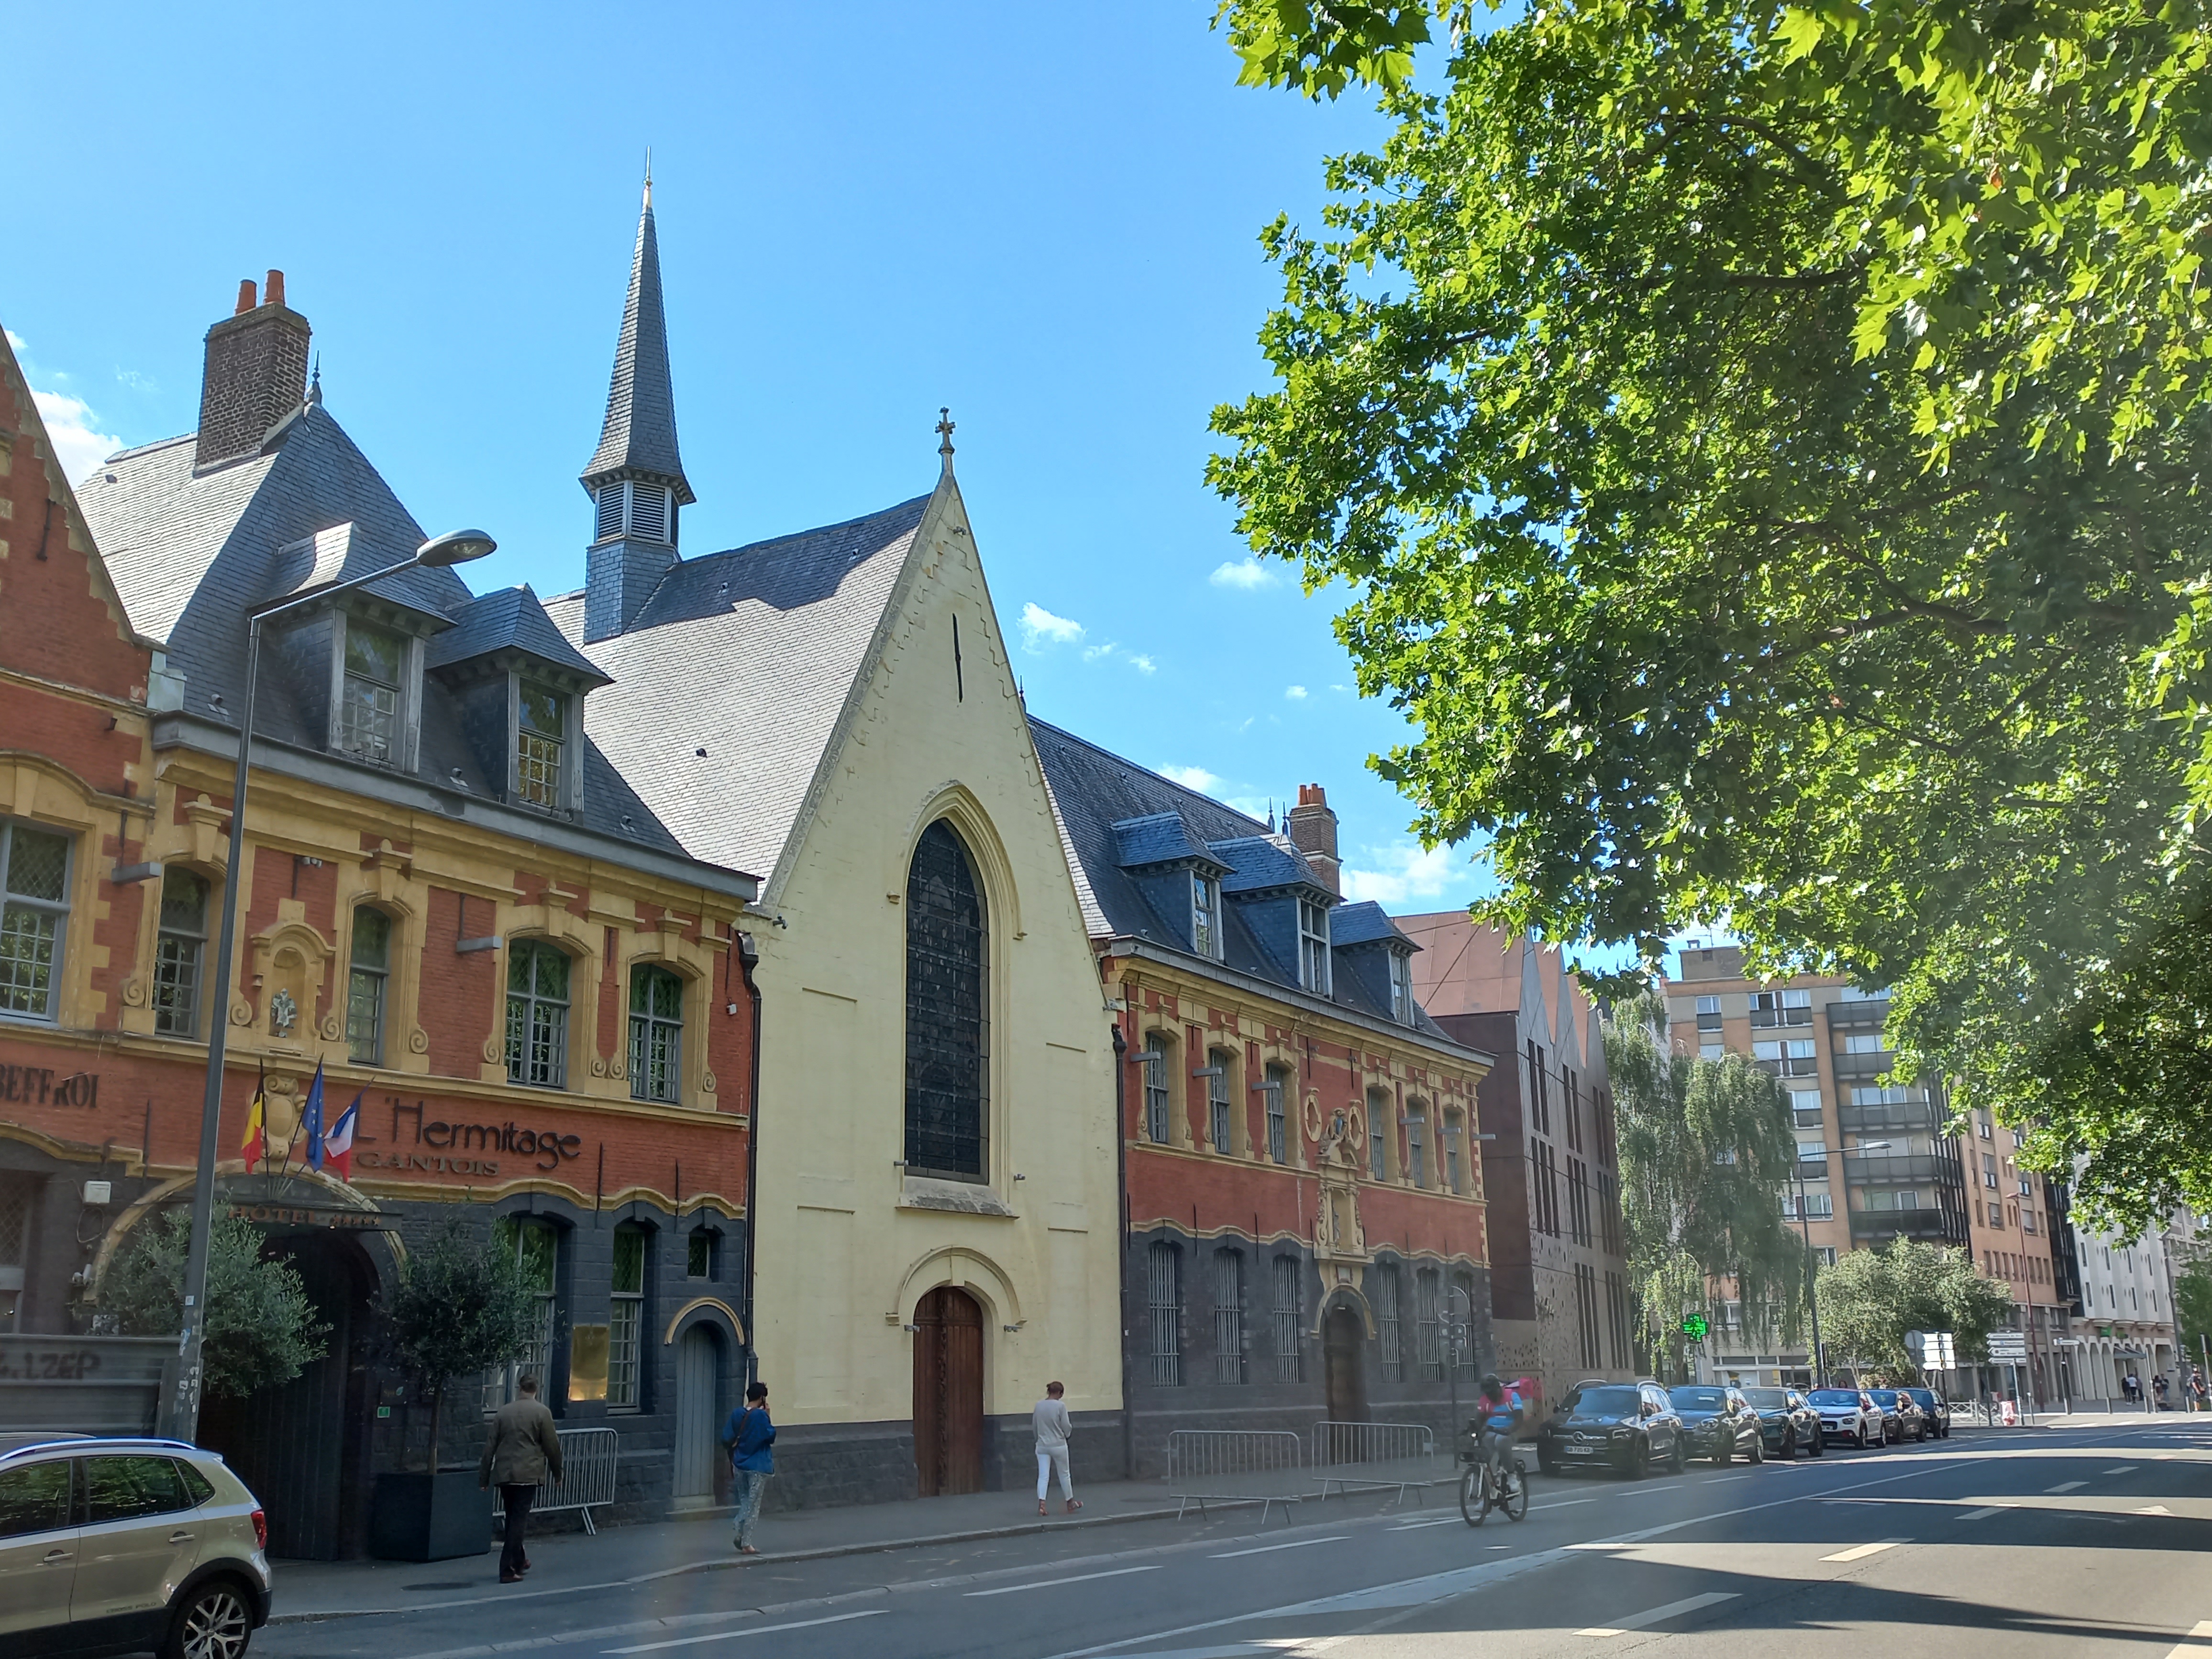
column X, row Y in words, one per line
column 1048, row 1461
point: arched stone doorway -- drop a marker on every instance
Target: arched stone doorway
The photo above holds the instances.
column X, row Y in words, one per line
column 948, row 1393
column 302, row 1447
column 1344, row 1364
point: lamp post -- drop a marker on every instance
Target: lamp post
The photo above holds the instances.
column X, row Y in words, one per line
column 181, row 1415
column 1805, row 1230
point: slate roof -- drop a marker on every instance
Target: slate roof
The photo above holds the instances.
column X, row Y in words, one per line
column 748, row 655
column 639, row 435
column 190, row 553
column 1160, row 838
column 1365, row 923
column 1093, row 790
column 510, row 619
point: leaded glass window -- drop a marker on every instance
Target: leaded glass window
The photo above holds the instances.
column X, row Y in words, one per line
column 536, row 1014
column 179, row 952
column 625, row 1315
column 656, row 1033
column 34, row 867
column 370, row 973
column 1157, row 1050
column 535, row 1247
column 540, row 734
column 368, row 702
column 947, row 1025
column 1219, row 1124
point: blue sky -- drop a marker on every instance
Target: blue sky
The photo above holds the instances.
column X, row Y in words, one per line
column 1045, row 217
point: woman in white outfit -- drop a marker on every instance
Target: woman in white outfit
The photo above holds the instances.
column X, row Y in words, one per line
column 1050, row 1421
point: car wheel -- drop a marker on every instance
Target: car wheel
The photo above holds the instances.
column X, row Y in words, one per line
column 1681, row 1461
column 1861, row 1438
column 1758, row 1448
column 1789, row 1445
column 1639, row 1461
column 1723, row 1453
column 214, row 1621
column 1820, row 1445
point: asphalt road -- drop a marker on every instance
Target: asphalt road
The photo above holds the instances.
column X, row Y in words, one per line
column 2095, row 1541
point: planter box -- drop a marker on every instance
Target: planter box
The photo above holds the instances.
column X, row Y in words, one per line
column 428, row 1517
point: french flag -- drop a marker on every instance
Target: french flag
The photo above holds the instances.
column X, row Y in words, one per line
column 337, row 1144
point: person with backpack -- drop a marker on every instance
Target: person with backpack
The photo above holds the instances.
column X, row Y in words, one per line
column 747, row 1437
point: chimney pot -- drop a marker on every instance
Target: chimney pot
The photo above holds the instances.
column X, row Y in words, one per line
column 272, row 291
column 245, row 300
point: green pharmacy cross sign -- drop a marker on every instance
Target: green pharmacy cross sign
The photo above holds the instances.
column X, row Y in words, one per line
column 1694, row 1326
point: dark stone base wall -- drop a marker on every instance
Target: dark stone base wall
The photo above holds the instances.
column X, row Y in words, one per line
column 824, row 1465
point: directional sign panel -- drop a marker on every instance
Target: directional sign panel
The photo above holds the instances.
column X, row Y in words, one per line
column 2008, row 1348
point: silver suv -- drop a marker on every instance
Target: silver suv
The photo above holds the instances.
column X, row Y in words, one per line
column 127, row 1546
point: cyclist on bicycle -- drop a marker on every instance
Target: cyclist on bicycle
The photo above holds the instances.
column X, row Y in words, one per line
column 1500, row 1419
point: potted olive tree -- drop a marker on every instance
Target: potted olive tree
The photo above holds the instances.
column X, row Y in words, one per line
column 261, row 1326
column 461, row 1306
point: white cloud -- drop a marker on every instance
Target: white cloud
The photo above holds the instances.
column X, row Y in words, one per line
column 79, row 444
column 1092, row 653
column 1190, row 777
column 1040, row 627
column 1252, row 807
column 1295, row 693
column 1403, row 872
column 1246, row 573
column 16, row 341
column 1143, row 664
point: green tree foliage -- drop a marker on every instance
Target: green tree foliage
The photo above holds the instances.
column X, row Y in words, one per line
column 461, row 1306
column 261, row 1327
column 1869, row 1298
column 2192, row 1298
column 1762, row 445
column 1706, row 1151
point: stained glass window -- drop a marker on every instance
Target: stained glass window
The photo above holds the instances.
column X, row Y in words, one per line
column 946, row 1022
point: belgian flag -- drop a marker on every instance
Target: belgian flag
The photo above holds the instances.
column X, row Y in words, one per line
column 255, row 1147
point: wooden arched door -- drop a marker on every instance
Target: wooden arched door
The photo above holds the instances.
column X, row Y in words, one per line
column 948, row 1393
column 1343, row 1361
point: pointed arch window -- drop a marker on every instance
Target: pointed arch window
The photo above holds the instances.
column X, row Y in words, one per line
column 947, row 1028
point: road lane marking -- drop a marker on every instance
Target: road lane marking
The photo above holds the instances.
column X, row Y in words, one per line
column 2196, row 1644
column 1859, row 1553
column 1654, row 1615
column 1984, row 1514
column 1448, row 1520
column 2125, row 1469
column 1563, row 1503
column 1054, row 1583
column 1302, row 1543
column 1645, row 1492
column 2155, row 1509
column 757, row 1630
column 2065, row 1485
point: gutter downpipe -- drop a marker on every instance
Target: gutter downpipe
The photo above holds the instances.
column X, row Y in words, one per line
column 747, row 954
column 1122, row 1267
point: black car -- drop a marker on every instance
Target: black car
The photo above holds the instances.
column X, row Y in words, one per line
column 1902, row 1413
column 1718, row 1423
column 1936, row 1409
column 1787, row 1424
column 1627, row 1427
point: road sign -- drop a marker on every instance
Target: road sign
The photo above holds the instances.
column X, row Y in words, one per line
column 1694, row 1326
column 1932, row 1350
column 2008, row 1348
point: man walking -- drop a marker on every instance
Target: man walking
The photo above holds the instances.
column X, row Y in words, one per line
column 1052, row 1427
column 520, row 1450
column 748, row 1434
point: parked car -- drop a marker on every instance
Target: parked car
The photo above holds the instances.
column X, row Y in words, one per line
column 1905, row 1418
column 1848, row 1415
column 1936, row 1409
column 1787, row 1424
column 1718, row 1423
column 1628, row 1426
column 120, row 1545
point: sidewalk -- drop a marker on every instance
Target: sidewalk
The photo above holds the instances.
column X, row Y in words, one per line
column 565, row 1562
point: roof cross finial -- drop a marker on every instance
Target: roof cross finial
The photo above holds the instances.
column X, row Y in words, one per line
column 315, row 382
column 649, row 175
column 945, row 435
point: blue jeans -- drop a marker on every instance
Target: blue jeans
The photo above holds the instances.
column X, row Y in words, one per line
column 751, row 1486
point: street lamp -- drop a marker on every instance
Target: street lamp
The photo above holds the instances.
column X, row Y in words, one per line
column 1805, row 1230
column 183, row 1413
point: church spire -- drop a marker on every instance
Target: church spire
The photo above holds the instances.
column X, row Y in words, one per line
column 639, row 438
column 635, row 478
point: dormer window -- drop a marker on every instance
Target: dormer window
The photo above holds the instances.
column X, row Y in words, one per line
column 368, row 698
column 1206, row 916
column 1401, row 988
column 541, row 731
column 1313, row 946
column 642, row 512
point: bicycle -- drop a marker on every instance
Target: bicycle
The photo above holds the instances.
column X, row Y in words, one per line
column 1479, row 1493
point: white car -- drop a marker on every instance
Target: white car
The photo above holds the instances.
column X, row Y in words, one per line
column 1848, row 1415
column 127, row 1547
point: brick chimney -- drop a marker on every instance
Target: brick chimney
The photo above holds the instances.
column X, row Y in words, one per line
column 256, row 372
column 1312, row 827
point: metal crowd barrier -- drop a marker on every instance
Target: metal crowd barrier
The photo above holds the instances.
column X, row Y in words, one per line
column 1235, row 1465
column 587, row 1475
column 1375, row 1457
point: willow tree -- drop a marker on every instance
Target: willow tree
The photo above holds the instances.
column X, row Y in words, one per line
column 1706, row 1151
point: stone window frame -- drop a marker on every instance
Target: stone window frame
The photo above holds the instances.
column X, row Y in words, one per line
column 1158, row 1085
column 58, row 959
column 385, row 976
column 567, row 1003
column 178, row 982
column 678, row 1077
column 407, row 722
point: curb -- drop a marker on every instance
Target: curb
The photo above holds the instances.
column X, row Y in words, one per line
column 821, row 1553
